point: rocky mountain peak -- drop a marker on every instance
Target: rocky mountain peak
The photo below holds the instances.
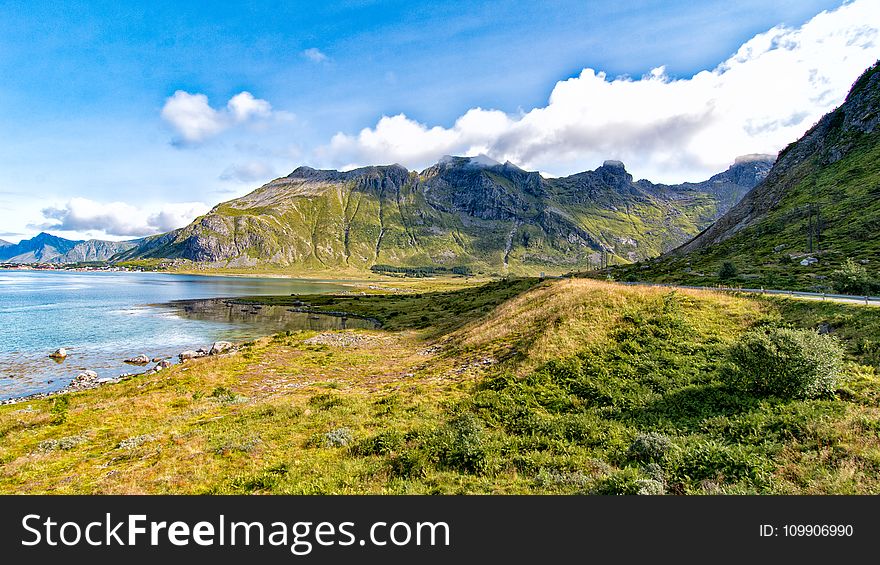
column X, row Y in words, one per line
column 754, row 158
column 480, row 160
column 47, row 238
column 613, row 164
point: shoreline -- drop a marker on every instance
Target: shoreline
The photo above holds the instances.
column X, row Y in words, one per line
column 100, row 382
column 201, row 352
column 359, row 287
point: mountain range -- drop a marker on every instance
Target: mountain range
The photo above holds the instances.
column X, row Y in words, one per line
column 47, row 248
column 462, row 212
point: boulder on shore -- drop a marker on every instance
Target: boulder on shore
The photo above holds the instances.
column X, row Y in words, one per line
column 60, row 353
column 84, row 380
column 138, row 359
column 190, row 354
column 163, row 364
column 220, row 347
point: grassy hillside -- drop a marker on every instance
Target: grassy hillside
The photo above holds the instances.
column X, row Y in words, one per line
column 564, row 386
column 821, row 200
column 847, row 196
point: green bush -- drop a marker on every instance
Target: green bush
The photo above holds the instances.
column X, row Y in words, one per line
column 650, row 487
column 852, row 278
column 460, row 444
column 59, row 409
column 649, row 448
column 728, row 271
column 383, row 443
column 712, row 460
column 787, row 363
column 408, row 464
column 623, row 482
column 340, row 437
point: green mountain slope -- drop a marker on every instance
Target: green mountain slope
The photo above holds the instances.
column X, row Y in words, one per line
column 821, row 200
column 460, row 213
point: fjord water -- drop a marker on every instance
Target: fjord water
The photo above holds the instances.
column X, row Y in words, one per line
column 106, row 317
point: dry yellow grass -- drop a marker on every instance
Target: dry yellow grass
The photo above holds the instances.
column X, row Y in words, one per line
column 561, row 317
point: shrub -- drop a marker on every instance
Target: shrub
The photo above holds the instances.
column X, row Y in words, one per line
column 651, row 447
column 136, row 441
column 59, row 409
column 382, row 443
column 408, row 464
column 852, row 278
column 65, row 443
column 460, row 444
column 712, row 460
column 728, row 271
column 650, row 487
column 787, row 363
column 340, row 437
column 223, row 394
column 622, row 482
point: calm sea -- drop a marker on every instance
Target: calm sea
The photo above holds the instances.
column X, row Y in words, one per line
column 103, row 318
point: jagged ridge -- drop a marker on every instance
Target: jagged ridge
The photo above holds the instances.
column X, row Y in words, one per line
column 459, row 212
column 47, row 248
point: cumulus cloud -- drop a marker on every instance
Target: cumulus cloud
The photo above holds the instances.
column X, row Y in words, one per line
column 315, row 55
column 194, row 120
column 248, row 172
column 243, row 107
column 119, row 218
column 763, row 97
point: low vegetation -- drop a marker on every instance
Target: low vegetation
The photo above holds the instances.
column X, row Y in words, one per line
column 786, row 363
column 517, row 386
column 853, row 278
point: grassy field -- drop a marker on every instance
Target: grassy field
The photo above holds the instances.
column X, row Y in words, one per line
column 514, row 386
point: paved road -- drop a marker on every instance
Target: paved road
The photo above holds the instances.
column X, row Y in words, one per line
column 842, row 298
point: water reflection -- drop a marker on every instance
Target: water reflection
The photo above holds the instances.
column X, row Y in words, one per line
column 269, row 318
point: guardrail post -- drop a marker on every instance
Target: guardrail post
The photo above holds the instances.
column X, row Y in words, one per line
column 823, row 296
column 866, row 301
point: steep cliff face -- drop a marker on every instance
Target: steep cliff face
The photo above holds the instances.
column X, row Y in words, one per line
column 829, row 178
column 459, row 212
column 94, row 250
column 818, row 206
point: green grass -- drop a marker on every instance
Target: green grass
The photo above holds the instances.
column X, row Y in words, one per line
column 436, row 311
column 519, row 386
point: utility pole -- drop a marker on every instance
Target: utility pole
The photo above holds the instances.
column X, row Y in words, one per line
column 810, row 226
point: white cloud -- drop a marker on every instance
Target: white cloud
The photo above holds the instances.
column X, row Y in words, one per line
column 192, row 116
column 119, row 218
column 248, row 172
column 315, row 55
column 243, row 107
column 194, row 120
column 763, row 97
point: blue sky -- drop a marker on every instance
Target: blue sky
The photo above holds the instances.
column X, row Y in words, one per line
column 86, row 130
